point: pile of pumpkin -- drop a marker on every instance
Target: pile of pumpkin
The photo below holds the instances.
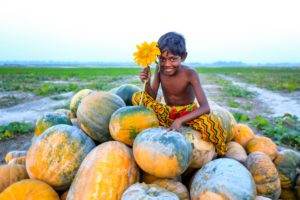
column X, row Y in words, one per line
column 105, row 148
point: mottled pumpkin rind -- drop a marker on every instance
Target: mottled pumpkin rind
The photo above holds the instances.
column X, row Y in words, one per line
column 126, row 122
column 262, row 144
column 76, row 100
column 125, row 92
column 242, row 134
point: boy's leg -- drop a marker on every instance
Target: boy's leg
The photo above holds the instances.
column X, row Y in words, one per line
column 161, row 110
column 211, row 130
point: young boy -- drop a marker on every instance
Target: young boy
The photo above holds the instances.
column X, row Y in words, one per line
column 180, row 86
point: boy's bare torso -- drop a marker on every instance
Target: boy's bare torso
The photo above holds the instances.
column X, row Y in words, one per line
column 177, row 89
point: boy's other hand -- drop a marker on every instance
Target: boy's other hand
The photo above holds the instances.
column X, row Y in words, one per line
column 145, row 74
column 176, row 125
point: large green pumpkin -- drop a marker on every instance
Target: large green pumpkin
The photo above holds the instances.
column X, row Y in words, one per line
column 94, row 113
column 56, row 155
column 161, row 153
column 125, row 92
column 48, row 120
column 287, row 162
column 142, row 191
column 76, row 100
column 224, row 179
column 227, row 120
column 127, row 122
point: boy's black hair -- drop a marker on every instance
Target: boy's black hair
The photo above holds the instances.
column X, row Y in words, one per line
column 172, row 42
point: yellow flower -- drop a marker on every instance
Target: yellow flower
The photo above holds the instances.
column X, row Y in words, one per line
column 146, row 53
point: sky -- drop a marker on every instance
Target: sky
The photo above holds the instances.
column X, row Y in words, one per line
column 251, row 31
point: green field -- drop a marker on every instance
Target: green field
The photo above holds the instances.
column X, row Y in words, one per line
column 48, row 81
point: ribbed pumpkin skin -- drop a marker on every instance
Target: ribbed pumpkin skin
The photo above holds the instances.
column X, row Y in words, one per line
column 105, row 173
column 286, row 163
column 142, row 191
column 203, row 152
column 265, row 175
column 76, row 100
column 29, row 189
column 48, row 120
column 224, row 178
column 10, row 174
column 126, row 122
column 262, row 144
column 125, row 92
column 242, row 134
column 161, row 153
column 14, row 154
column 94, row 113
column 174, row 186
column 56, row 155
column 227, row 120
column 236, row 151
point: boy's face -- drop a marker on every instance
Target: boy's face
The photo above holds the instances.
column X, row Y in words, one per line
column 169, row 63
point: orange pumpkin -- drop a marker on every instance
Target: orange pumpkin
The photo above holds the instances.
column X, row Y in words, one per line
column 126, row 122
column 161, row 153
column 20, row 160
column 11, row 173
column 262, row 144
column 174, row 186
column 56, row 155
column 29, row 189
column 14, row 154
column 144, row 191
column 242, row 134
column 203, row 152
column 148, row 178
column 106, row 172
column 265, row 175
column 236, row 151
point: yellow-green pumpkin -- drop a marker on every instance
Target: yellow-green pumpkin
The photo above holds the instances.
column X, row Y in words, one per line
column 265, row 175
column 223, row 179
column 76, row 100
column 203, row 152
column 106, row 172
column 48, row 120
column 226, row 118
column 56, row 155
column 11, row 173
column 126, row 122
column 161, row 153
column 125, row 92
column 14, row 154
column 141, row 191
column 94, row 113
column 287, row 163
column 29, row 189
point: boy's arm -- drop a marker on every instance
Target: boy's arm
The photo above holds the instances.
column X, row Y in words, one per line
column 201, row 98
column 152, row 88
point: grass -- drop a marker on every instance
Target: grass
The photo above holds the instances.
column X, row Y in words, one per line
column 15, row 128
column 41, row 81
column 277, row 79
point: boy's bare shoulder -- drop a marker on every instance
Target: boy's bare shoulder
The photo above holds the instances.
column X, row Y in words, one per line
column 189, row 71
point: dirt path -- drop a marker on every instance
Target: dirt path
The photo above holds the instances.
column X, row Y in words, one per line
column 278, row 103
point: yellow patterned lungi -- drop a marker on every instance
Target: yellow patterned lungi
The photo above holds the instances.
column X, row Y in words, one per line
column 208, row 125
